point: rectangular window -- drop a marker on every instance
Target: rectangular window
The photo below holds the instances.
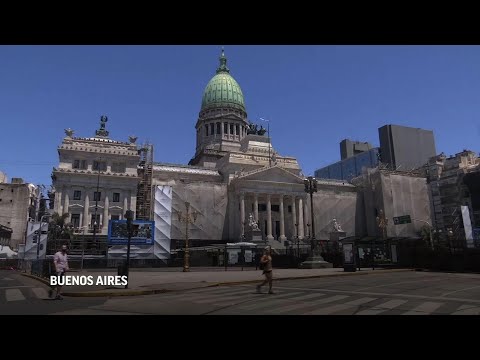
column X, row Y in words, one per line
column 97, row 196
column 76, row 220
column 77, row 195
column 276, row 208
column 80, row 164
column 118, row 167
column 262, row 207
column 206, row 130
column 212, row 128
column 289, row 208
column 218, row 128
column 115, row 217
column 231, row 129
column 237, row 129
column 225, row 128
column 99, row 165
column 116, row 197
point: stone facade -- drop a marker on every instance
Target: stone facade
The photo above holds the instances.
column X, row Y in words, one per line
column 90, row 164
column 17, row 206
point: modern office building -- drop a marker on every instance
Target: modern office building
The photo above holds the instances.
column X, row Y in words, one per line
column 405, row 148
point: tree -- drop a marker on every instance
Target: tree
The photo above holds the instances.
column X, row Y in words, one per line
column 58, row 228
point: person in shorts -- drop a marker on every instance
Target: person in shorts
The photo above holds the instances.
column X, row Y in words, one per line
column 60, row 261
column 266, row 261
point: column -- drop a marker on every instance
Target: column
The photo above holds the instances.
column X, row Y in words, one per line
column 242, row 214
column 85, row 210
column 301, row 233
column 105, row 213
column 125, row 204
column 282, row 221
column 66, row 205
column 133, row 204
column 58, row 203
column 255, row 206
column 80, row 222
column 294, row 216
column 269, row 218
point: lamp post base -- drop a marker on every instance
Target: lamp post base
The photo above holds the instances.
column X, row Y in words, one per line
column 315, row 262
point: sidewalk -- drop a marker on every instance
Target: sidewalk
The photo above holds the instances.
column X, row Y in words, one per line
column 154, row 282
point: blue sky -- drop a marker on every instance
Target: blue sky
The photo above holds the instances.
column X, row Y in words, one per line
column 315, row 96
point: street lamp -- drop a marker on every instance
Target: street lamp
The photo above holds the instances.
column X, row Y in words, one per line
column 188, row 218
column 310, row 188
column 382, row 223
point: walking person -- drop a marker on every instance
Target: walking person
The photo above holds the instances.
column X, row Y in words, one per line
column 266, row 265
column 60, row 260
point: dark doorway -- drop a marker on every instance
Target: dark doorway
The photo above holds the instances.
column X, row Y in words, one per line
column 277, row 230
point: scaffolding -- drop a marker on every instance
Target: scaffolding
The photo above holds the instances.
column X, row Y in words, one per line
column 144, row 192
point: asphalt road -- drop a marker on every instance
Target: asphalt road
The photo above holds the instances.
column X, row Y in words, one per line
column 400, row 293
column 20, row 295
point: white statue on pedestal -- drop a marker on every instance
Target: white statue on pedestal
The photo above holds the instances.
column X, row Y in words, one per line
column 252, row 223
column 336, row 226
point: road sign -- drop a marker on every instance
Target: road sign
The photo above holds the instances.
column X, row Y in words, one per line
column 405, row 219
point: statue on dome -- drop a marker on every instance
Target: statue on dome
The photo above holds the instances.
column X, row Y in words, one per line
column 69, row 132
column 102, row 131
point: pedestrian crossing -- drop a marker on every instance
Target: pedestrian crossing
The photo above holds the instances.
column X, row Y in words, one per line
column 244, row 300
column 22, row 293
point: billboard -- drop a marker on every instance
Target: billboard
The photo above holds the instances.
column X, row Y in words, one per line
column 143, row 232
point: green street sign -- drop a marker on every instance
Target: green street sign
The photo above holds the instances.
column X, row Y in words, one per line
column 405, row 219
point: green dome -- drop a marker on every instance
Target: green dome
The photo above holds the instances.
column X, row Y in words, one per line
column 222, row 89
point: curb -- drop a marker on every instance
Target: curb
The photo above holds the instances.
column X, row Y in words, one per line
column 358, row 273
column 106, row 293
column 35, row 277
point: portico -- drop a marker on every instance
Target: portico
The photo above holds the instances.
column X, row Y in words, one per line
column 276, row 199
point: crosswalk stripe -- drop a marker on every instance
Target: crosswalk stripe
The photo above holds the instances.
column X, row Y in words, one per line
column 276, row 299
column 205, row 295
column 360, row 301
column 467, row 310
column 326, row 301
column 7, row 279
column 14, row 295
column 217, row 298
column 424, row 309
column 302, row 305
column 389, row 305
column 308, row 297
column 40, row 293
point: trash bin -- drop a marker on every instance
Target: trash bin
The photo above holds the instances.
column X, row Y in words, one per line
column 349, row 252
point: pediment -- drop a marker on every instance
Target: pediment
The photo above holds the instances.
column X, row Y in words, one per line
column 271, row 174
